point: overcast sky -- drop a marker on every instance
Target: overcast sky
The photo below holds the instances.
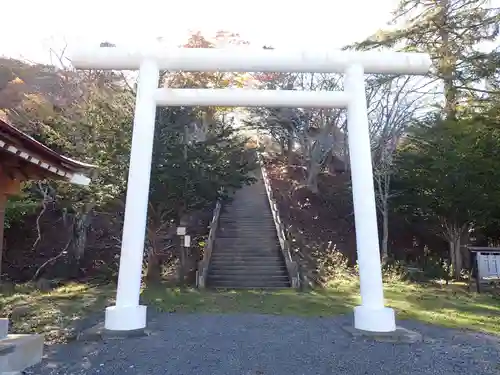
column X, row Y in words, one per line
column 35, row 26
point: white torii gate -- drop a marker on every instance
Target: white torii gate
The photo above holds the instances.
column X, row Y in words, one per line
column 371, row 315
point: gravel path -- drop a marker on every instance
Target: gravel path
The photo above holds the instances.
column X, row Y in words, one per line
column 272, row 345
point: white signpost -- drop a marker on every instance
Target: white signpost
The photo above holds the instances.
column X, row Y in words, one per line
column 371, row 315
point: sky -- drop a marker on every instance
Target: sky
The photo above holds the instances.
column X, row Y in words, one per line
column 38, row 26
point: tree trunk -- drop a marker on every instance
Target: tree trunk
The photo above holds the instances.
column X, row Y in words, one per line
column 3, row 203
column 81, row 228
column 385, row 233
column 153, row 267
column 282, row 147
column 289, row 148
column 447, row 63
column 312, row 176
column 456, row 256
column 454, row 237
column 153, row 273
column 182, row 265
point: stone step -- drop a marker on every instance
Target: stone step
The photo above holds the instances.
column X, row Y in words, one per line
column 232, row 252
column 264, row 266
column 262, row 281
column 255, row 226
column 263, row 240
column 261, row 262
column 264, row 211
column 251, row 196
column 249, row 279
column 248, row 213
column 247, row 243
column 279, row 264
column 248, row 227
column 228, row 288
column 229, row 248
column 243, row 207
column 248, row 205
column 257, row 231
column 230, row 240
column 248, row 262
column 260, row 232
column 239, row 221
column 248, row 271
column 231, row 284
column 248, row 276
column 248, row 255
column 244, row 266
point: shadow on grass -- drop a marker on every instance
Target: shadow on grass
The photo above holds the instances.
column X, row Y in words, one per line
column 59, row 312
column 56, row 313
column 450, row 306
column 282, row 302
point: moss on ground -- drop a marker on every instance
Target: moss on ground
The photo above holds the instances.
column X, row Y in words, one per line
column 55, row 312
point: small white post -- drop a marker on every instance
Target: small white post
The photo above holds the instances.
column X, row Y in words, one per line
column 127, row 314
column 371, row 315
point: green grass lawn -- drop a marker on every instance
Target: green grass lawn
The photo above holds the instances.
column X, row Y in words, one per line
column 450, row 306
column 54, row 312
column 446, row 305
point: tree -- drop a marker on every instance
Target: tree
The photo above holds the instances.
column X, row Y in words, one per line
column 188, row 176
column 208, row 115
column 393, row 105
column 89, row 116
column 447, row 175
column 319, row 133
column 451, row 31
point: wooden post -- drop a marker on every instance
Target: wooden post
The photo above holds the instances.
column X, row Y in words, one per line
column 8, row 186
column 3, row 203
column 478, row 276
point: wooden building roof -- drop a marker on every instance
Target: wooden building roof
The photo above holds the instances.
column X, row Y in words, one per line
column 24, row 158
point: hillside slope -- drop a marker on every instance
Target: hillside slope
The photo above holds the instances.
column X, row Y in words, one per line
column 321, row 223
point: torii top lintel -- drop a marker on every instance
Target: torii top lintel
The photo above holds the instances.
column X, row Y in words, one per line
column 245, row 59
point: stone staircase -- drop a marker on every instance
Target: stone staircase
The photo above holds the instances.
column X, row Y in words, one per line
column 247, row 253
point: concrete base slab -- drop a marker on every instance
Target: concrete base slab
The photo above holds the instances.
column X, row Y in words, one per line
column 99, row 332
column 21, row 352
column 4, row 327
column 125, row 318
column 400, row 335
column 6, row 348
